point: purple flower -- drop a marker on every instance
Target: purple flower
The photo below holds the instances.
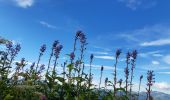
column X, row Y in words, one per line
column 118, row 52
column 43, row 48
column 22, row 61
column 72, row 56
column 91, row 57
column 141, row 77
column 18, row 47
column 55, row 43
column 126, row 72
column 57, row 50
column 42, row 67
column 134, row 54
column 77, row 63
column 9, row 45
column 150, row 78
column 78, row 33
column 42, row 97
column 82, row 38
column 106, row 80
column 32, row 65
column 102, row 68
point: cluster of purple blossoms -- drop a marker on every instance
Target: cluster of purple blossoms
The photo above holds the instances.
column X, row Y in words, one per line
column 9, row 45
column 150, row 78
column 43, row 48
column 81, row 36
column 126, row 72
column 42, row 97
column 32, row 65
column 102, row 68
column 91, row 57
column 42, row 67
column 57, row 50
column 141, row 77
column 55, row 43
column 106, row 80
column 13, row 51
column 118, row 52
column 22, row 61
column 134, row 54
column 72, row 55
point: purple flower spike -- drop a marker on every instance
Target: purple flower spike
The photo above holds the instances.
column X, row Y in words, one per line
column 18, row 48
column 118, row 52
column 102, row 68
column 43, row 48
column 42, row 97
column 55, row 43
column 72, row 56
column 57, row 50
column 42, row 67
column 82, row 38
column 9, row 45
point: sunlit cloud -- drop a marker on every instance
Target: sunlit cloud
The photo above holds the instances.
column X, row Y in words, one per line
column 155, row 63
column 24, row 3
column 166, row 59
column 47, row 25
column 105, row 57
column 159, row 42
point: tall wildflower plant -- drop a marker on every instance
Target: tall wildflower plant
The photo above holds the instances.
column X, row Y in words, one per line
column 133, row 64
column 105, row 83
column 118, row 52
column 127, row 71
column 42, row 50
column 90, row 74
column 101, row 74
column 150, row 82
column 12, row 51
column 57, row 50
column 140, row 81
column 52, row 53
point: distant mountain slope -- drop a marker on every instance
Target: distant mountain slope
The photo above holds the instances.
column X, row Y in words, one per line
column 156, row 95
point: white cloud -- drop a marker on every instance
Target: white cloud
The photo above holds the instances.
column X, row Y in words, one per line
column 133, row 4
column 151, row 53
column 159, row 42
column 105, row 57
column 166, row 59
column 105, row 67
column 24, row 3
column 167, row 73
column 47, row 25
column 155, row 63
column 162, row 85
column 99, row 52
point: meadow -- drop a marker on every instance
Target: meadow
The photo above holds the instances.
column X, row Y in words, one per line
column 42, row 82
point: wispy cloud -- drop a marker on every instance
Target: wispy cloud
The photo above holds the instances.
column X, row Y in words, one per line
column 159, row 42
column 167, row 73
column 151, row 53
column 166, row 59
column 99, row 52
column 134, row 4
column 47, row 25
column 162, row 85
column 155, row 63
column 105, row 57
column 24, row 3
column 105, row 67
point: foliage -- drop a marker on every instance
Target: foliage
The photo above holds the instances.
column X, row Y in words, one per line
column 24, row 81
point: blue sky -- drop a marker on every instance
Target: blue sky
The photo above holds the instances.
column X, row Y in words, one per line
column 126, row 24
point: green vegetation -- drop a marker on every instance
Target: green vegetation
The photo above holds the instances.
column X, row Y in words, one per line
column 36, row 83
